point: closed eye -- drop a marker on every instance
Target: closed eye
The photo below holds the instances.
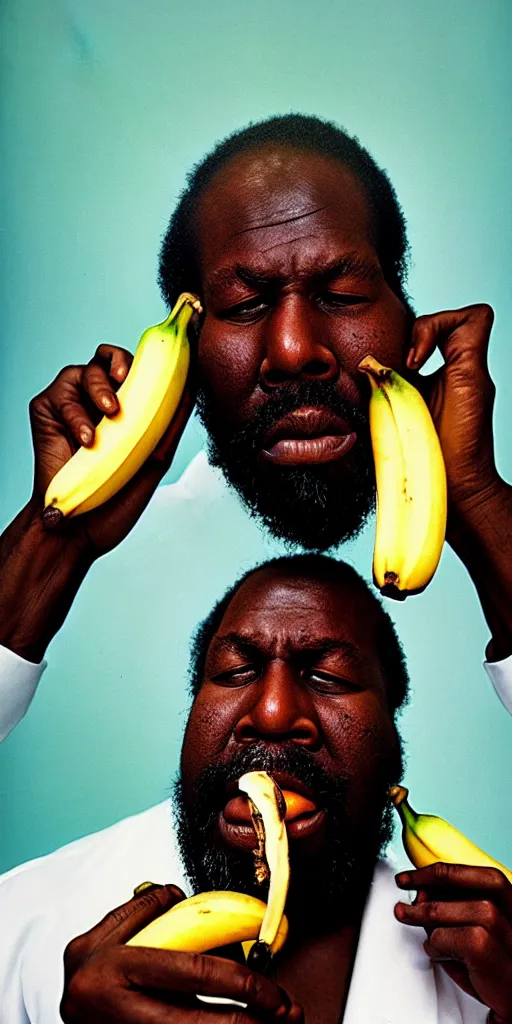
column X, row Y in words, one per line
column 249, row 311
column 239, row 676
column 329, row 684
column 339, row 300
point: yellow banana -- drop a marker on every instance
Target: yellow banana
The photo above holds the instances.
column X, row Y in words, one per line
column 207, row 921
column 428, row 839
column 148, row 399
column 213, row 919
column 411, row 484
column 268, row 809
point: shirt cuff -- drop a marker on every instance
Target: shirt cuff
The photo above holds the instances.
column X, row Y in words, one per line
column 18, row 683
column 500, row 674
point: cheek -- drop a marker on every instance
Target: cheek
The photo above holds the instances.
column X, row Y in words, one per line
column 361, row 740
column 228, row 364
column 209, row 728
column 383, row 333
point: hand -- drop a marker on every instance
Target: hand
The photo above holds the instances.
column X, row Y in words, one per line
column 64, row 416
column 467, row 914
column 106, row 981
column 460, row 396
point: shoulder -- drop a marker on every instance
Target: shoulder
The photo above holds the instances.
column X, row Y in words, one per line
column 105, row 861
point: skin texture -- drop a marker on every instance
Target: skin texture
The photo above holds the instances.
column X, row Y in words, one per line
column 290, row 691
column 312, row 329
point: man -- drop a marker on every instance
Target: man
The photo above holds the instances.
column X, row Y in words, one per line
column 294, row 239
column 297, row 671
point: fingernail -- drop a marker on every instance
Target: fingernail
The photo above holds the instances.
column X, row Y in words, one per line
column 403, row 878
column 107, row 402
column 401, row 910
column 411, row 359
column 85, row 435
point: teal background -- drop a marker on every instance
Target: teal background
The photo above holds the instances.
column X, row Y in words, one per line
column 106, row 104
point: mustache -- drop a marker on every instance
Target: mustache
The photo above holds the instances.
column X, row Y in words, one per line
column 290, row 759
column 287, row 399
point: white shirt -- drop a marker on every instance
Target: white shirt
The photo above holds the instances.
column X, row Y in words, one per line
column 49, row 901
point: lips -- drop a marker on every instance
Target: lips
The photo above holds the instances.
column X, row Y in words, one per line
column 302, row 819
column 311, row 435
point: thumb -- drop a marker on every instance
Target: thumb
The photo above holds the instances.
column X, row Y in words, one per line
column 123, row 922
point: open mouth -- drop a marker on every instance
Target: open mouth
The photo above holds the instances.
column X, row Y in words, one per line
column 303, row 815
column 309, row 435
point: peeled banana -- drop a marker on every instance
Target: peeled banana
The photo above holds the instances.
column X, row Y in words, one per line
column 148, row 399
column 428, row 839
column 207, row 921
column 411, row 484
column 214, row 919
column 268, row 810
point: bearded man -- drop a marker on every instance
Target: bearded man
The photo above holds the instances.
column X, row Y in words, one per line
column 297, row 671
column 294, row 240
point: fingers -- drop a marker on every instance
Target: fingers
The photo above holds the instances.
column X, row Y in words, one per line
column 103, row 374
column 450, row 876
column 122, row 923
column 195, row 973
column 433, row 914
column 160, row 985
column 488, row 964
column 458, row 333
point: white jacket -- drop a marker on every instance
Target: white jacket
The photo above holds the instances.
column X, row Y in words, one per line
column 47, row 902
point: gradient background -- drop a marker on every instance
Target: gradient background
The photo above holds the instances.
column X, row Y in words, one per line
column 106, row 106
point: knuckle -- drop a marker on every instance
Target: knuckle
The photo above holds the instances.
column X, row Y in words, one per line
column 489, row 913
column 204, row 968
column 77, row 993
column 498, row 879
column 484, row 312
column 442, row 871
column 431, row 911
column 73, row 953
column 479, row 941
column 251, row 987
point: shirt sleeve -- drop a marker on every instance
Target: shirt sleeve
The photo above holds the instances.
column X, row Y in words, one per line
column 18, row 683
column 500, row 674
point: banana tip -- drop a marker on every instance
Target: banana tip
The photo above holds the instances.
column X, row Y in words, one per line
column 397, row 794
column 51, row 517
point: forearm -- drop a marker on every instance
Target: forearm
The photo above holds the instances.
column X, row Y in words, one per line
column 40, row 574
column 482, row 538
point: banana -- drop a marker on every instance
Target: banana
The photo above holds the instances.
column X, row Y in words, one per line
column 411, row 484
column 213, row 919
column 268, row 810
column 207, row 921
column 428, row 839
column 148, row 399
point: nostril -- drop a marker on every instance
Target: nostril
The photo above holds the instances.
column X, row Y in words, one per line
column 276, row 376
column 316, row 368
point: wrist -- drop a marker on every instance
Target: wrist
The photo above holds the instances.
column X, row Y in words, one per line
column 40, row 574
column 480, row 532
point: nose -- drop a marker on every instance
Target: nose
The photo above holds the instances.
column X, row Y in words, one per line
column 281, row 710
column 294, row 346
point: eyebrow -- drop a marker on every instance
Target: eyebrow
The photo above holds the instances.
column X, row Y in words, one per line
column 348, row 265
column 251, row 646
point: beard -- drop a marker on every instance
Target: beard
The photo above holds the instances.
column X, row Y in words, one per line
column 326, row 888
column 314, row 506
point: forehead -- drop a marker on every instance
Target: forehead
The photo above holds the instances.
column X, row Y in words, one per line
column 269, row 605
column 265, row 197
